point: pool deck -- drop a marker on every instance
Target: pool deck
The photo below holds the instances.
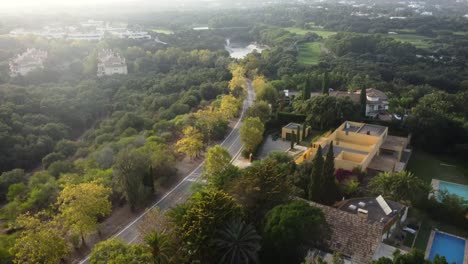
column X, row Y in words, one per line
column 431, row 240
column 435, row 186
column 435, row 183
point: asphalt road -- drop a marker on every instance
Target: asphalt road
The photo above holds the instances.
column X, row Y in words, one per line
column 182, row 190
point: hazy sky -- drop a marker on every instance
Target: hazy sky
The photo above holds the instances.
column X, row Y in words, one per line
column 17, row 3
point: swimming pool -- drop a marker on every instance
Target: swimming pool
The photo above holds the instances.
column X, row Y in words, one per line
column 452, row 248
column 453, row 188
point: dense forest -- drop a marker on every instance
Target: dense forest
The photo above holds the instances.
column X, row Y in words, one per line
column 75, row 147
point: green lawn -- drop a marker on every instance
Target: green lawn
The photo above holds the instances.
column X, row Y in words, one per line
column 321, row 32
column 162, row 31
column 309, row 53
column 428, row 167
column 426, row 227
column 418, row 41
column 408, row 242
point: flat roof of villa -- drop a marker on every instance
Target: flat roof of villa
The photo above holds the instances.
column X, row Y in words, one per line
column 337, row 150
column 375, row 213
column 366, row 129
column 293, row 125
column 373, row 130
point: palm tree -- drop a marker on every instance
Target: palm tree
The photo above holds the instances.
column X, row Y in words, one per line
column 160, row 246
column 237, row 243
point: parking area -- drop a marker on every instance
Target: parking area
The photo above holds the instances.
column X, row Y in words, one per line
column 273, row 144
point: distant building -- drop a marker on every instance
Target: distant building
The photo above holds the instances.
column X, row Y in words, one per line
column 110, row 63
column 89, row 36
column 24, row 63
column 426, row 13
column 91, row 30
column 131, row 34
column 364, row 146
column 376, row 103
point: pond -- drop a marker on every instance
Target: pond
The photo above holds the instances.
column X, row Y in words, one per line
column 240, row 50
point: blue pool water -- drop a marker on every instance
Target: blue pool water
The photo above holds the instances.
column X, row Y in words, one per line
column 452, row 188
column 452, row 248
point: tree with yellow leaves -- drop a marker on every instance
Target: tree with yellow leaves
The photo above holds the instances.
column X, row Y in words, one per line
column 229, row 106
column 207, row 120
column 259, row 83
column 39, row 241
column 237, row 84
column 192, row 142
column 81, row 205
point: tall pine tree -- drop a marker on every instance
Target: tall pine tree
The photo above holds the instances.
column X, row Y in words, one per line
column 316, row 183
column 298, row 139
column 363, row 100
column 306, row 89
column 293, row 139
column 148, row 180
column 330, row 190
column 325, row 83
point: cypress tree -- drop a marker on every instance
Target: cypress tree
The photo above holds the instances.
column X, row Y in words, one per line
column 306, row 89
column 316, row 183
column 363, row 101
column 293, row 139
column 148, row 180
column 329, row 185
column 303, row 131
column 325, row 83
column 298, row 133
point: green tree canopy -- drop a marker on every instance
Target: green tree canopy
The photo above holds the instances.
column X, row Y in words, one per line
column 401, row 186
column 116, row 252
column 197, row 220
column 237, row 242
column 251, row 133
column 290, row 230
column 129, row 170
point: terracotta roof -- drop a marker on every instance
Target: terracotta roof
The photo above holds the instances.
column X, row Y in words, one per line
column 352, row 235
column 372, row 92
column 353, row 96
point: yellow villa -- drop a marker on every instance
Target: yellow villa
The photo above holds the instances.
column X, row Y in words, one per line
column 364, row 146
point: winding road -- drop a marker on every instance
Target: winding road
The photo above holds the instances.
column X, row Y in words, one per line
column 182, row 190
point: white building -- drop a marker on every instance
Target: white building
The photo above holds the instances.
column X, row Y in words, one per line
column 131, row 34
column 24, row 63
column 376, row 104
column 109, row 63
column 90, row 36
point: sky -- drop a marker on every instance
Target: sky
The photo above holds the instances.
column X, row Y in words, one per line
column 45, row 6
column 18, row 3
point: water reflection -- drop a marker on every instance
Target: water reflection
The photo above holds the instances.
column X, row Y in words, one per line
column 240, row 50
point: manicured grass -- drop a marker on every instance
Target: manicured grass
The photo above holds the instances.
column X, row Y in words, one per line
column 418, row 41
column 409, row 238
column 427, row 224
column 461, row 33
column 428, row 167
column 309, row 53
column 162, row 31
column 321, row 32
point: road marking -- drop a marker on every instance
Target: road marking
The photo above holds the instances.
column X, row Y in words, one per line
column 177, row 186
column 133, row 239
